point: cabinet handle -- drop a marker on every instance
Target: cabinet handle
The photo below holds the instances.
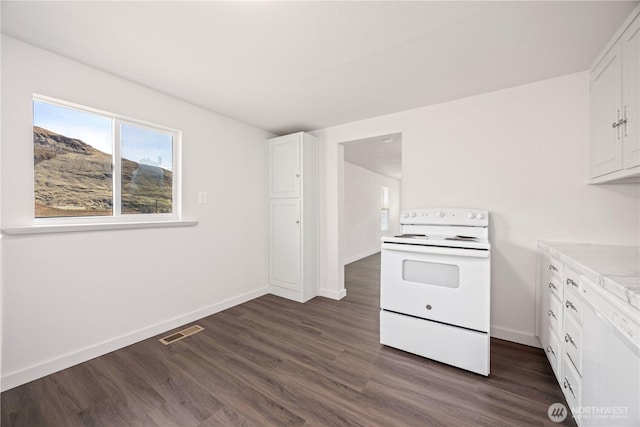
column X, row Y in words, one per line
column 570, row 305
column 626, row 130
column 553, row 267
column 567, row 338
column 550, row 350
column 297, row 175
column 619, row 123
column 572, row 282
column 552, row 286
column 567, row 384
column 297, row 221
column 551, row 313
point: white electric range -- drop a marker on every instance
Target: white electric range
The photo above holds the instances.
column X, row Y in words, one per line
column 435, row 287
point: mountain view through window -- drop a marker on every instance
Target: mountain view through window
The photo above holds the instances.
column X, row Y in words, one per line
column 75, row 158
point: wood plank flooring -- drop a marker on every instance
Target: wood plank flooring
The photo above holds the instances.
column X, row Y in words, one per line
column 274, row 362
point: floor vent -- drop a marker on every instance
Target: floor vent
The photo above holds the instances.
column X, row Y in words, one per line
column 182, row 334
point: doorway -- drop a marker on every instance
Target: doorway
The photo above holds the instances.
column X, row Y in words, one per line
column 371, row 198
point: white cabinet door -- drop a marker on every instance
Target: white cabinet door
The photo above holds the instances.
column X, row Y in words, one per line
column 284, row 167
column 606, row 104
column 284, row 243
column 631, row 94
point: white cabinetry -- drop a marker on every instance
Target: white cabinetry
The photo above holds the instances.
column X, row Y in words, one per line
column 614, row 151
column 572, row 338
column 549, row 314
column 592, row 338
column 559, row 323
column 284, row 166
column 293, row 219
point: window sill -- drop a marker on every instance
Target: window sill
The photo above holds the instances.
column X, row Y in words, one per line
column 68, row 228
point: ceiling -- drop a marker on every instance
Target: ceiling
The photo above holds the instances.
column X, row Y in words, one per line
column 290, row 66
column 381, row 154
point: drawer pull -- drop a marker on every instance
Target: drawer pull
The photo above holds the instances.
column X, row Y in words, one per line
column 552, row 286
column 571, row 282
column 570, row 305
column 551, row 313
column 567, row 338
column 553, row 267
column 550, row 350
column 567, row 384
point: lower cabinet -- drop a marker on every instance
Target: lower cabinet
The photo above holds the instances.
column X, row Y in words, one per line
column 588, row 331
column 549, row 312
column 559, row 325
column 284, row 243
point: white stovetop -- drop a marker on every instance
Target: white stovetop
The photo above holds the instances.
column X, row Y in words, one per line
column 439, row 240
column 615, row 268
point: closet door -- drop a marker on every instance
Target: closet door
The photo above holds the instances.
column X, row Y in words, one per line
column 284, row 243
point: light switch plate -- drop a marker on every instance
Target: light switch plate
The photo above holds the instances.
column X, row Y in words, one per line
column 202, row 197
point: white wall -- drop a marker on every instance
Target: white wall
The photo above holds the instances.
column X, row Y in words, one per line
column 72, row 296
column 520, row 153
column 362, row 211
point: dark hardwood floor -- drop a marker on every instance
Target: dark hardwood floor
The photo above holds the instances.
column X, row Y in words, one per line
column 273, row 362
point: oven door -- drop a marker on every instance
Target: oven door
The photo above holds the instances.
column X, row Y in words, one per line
column 448, row 285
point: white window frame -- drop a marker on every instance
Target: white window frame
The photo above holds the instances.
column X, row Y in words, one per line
column 117, row 217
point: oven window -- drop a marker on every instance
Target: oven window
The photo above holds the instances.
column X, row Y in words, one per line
column 431, row 273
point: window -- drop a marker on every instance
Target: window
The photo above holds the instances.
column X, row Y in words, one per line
column 88, row 163
column 384, row 208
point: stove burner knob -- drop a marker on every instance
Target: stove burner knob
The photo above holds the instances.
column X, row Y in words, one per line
column 480, row 215
column 413, row 214
column 472, row 215
column 440, row 214
column 406, row 215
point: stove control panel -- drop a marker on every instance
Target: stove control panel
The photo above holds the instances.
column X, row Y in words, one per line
column 446, row 216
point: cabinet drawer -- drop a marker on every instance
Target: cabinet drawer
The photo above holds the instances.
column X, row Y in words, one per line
column 571, row 384
column 556, row 287
column 573, row 306
column 553, row 354
column 573, row 341
column 571, row 280
column 555, row 268
column 555, row 314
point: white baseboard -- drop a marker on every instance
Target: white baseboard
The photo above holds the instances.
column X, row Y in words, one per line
column 23, row 376
column 515, row 336
column 360, row 256
column 330, row 293
column 286, row 293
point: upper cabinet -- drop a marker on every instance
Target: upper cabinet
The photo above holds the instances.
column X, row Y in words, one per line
column 614, row 151
column 284, row 166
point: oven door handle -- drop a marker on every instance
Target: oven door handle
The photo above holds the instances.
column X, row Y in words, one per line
column 437, row 250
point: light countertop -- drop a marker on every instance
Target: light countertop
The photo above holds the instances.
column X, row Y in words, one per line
column 615, row 268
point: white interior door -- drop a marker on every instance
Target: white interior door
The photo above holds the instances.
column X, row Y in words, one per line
column 284, row 242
